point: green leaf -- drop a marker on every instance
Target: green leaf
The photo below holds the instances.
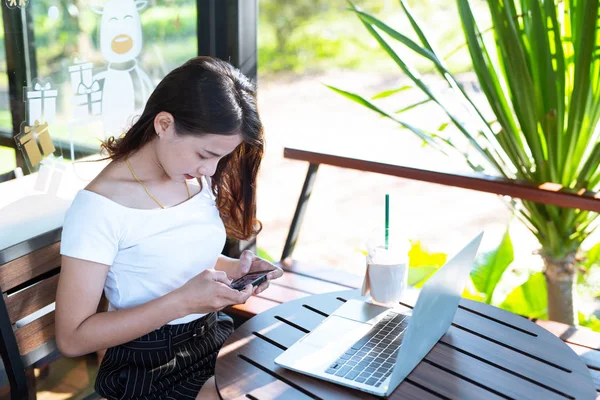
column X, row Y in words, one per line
column 422, row 264
column 387, row 93
column 591, row 322
column 411, row 106
column 264, row 255
column 366, row 103
column 592, row 256
column 489, row 268
column 491, row 83
column 417, row 276
column 471, row 293
column 414, row 76
column 418, row 256
column 530, row 299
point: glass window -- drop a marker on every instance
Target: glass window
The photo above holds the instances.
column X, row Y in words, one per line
column 96, row 64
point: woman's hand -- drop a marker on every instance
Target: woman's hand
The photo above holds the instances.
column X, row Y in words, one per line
column 250, row 263
column 208, row 292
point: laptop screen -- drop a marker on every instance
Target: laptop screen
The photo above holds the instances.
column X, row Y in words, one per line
column 434, row 311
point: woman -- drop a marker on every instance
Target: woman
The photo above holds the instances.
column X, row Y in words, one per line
column 149, row 230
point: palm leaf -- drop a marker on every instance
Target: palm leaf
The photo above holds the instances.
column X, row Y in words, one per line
column 388, row 93
column 364, row 102
column 414, row 76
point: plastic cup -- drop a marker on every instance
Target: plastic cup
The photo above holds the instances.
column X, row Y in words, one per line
column 387, row 271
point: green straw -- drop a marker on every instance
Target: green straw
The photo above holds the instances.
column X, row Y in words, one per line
column 387, row 220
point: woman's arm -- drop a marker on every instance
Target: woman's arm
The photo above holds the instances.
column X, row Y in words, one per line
column 81, row 330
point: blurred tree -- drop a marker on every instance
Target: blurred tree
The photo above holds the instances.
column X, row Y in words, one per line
column 287, row 16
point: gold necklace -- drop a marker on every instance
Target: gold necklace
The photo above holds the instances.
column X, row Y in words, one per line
column 146, row 189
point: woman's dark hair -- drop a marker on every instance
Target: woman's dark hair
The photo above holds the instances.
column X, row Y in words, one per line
column 209, row 96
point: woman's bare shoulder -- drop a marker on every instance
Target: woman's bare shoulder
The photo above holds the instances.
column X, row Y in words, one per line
column 112, row 182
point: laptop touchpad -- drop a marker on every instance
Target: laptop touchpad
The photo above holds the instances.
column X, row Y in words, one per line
column 333, row 330
column 360, row 311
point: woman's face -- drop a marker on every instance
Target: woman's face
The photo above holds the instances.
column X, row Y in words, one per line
column 188, row 156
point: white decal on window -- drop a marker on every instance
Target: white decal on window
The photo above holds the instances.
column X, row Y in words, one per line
column 41, row 101
column 87, row 94
column 126, row 86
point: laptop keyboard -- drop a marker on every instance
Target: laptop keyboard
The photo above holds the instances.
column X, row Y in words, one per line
column 371, row 359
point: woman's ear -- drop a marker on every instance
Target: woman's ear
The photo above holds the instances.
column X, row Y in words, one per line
column 164, row 124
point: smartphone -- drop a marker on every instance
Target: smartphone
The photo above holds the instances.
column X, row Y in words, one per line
column 253, row 278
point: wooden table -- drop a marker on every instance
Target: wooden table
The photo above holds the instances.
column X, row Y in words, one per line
column 488, row 353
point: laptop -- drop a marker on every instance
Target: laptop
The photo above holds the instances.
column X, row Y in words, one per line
column 373, row 348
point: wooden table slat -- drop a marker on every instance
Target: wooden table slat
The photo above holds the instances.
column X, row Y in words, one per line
column 281, row 333
column 275, row 390
column 589, row 356
column 412, row 391
column 325, row 304
column 596, row 378
column 487, row 375
column 515, row 339
column 447, row 384
column 501, row 316
column 250, row 379
column 528, row 367
column 302, row 316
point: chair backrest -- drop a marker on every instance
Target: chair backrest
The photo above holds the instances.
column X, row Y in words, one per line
column 29, row 274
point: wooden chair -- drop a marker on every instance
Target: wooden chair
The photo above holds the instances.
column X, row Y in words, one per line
column 29, row 274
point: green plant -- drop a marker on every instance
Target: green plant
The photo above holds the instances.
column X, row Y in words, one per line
column 541, row 79
column 288, row 16
column 527, row 299
column 263, row 254
column 490, row 267
column 488, row 278
column 326, row 37
column 422, row 264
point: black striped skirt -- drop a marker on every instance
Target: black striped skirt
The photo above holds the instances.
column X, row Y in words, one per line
column 172, row 362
